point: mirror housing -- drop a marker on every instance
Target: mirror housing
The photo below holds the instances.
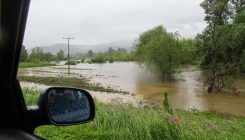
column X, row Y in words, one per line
column 66, row 106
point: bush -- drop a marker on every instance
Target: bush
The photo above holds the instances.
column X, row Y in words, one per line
column 98, row 59
column 111, row 60
column 72, row 62
column 82, row 60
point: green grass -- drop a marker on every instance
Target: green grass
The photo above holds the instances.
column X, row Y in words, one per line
column 34, row 64
column 128, row 123
column 125, row 122
column 31, row 95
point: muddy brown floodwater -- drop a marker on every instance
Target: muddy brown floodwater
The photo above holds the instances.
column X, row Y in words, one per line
column 185, row 93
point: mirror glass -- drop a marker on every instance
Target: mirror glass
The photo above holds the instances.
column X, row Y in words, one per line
column 68, row 105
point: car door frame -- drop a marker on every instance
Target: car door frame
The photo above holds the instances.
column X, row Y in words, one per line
column 12, row 104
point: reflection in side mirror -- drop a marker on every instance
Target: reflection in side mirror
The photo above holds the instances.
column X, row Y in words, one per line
column 69, row 106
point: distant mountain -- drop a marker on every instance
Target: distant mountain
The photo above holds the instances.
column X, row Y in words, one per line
column 119, row 44
column 127, row 44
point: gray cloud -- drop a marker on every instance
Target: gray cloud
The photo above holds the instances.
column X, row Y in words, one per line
column 100, row 21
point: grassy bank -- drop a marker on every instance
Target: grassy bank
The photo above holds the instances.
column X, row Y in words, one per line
column 34, row 64
column 31, row 95
column 81, row 82
column 127, row 122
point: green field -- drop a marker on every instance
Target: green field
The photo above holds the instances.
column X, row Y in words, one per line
column 34, row 64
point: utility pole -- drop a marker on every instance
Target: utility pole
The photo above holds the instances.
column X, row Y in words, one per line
column 68, row 52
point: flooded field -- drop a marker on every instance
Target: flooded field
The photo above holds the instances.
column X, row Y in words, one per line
column 185, row 93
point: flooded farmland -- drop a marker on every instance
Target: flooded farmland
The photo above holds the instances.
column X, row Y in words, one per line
column 185, row 93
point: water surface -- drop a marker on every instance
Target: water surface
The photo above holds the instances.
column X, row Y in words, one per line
column 185, row 93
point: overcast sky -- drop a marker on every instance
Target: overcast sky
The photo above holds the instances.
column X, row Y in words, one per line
column 102, row 21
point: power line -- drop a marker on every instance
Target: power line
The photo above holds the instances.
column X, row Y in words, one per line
column 68, row 52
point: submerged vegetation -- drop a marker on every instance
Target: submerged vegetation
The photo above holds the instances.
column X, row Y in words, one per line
column 127, row 122
column 221, row 44
column 72, row 62
column 160, row 51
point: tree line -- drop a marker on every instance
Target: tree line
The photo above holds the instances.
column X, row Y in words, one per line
column 111, row 55
column 38, row 55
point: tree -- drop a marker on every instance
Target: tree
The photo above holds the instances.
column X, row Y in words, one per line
column 121, row 50
column 60, row 55
column 238, row 6
column 48, row 57
column 221, row 44
column 238, row 37
column 23, row 54
column 159, row 50
column 99, row 58
column 110, row 51
column 37, row 54
column 188, row 48
column 217, row 15
column 90, row 53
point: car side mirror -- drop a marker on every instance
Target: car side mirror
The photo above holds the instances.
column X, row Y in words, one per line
column 67, row 106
